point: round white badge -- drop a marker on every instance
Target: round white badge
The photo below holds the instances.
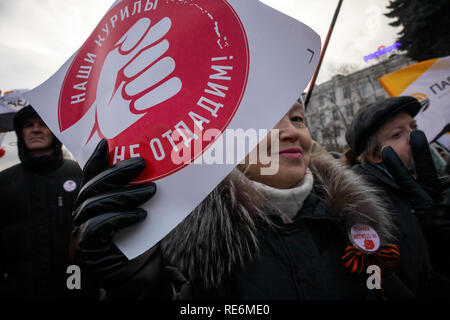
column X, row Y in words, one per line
column 70, row 185
column 364, row 238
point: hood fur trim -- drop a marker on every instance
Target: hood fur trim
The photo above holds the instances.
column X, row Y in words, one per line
column 221, row 233
column 351, row 199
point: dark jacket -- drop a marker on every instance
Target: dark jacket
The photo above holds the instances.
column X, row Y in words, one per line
column 416, row 234
column 35, row 223
column 233, row 246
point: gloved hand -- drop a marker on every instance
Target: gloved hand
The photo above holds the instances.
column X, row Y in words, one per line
column 427, row 174
column 104, row 206
column 429, row 198
column 428, row 189
column 421, row 201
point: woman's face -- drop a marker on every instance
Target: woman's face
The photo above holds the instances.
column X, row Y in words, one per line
column 395, row 133
column 293, row 154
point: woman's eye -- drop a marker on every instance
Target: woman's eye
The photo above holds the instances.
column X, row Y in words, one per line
column 298, row 122
column 396, row 135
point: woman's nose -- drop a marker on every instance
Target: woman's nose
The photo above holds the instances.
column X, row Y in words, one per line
column 409, row 134
column 288, row 131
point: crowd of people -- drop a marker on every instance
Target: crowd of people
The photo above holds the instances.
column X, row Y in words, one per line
column 290, row 235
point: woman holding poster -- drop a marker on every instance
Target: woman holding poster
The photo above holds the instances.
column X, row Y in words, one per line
column 313, row 230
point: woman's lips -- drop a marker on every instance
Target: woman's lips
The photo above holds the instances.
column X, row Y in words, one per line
column 291, row 153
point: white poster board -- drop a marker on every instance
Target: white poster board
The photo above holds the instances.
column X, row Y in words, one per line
column 154, row 73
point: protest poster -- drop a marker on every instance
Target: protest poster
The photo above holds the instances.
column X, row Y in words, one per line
column 429, row 82
column 166, row 80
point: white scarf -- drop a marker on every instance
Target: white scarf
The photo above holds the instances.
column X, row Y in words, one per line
column 288, row 201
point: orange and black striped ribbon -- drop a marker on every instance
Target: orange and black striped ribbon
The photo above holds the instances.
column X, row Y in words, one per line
column 355, row 261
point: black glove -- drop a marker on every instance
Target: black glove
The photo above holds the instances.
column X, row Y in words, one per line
column 105, row 205
column 427, row 196
column 427, row 175
column 424, row 192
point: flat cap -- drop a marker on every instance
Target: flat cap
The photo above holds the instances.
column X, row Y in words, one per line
column 371, row 117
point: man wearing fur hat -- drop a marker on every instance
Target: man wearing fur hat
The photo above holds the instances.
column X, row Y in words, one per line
column 36, row 196
column 393, row 155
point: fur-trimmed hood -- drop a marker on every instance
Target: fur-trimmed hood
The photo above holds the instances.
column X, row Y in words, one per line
column 221, row 232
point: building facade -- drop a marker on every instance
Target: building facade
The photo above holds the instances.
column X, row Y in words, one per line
column 334, row 103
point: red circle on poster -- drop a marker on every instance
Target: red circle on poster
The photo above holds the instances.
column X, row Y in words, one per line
column 159, row 74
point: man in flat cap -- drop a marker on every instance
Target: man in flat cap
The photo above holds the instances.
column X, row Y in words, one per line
column 395, row 157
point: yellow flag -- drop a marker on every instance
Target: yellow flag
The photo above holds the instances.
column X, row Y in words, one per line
column 429, row 82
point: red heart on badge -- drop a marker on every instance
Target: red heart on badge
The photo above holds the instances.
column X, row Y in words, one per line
column 368, row 244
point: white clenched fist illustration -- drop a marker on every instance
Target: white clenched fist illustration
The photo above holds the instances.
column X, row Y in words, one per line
column 130, row 75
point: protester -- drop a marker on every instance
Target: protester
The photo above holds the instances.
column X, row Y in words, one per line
column 36, row 196
column 391, row 151
column 280, row 236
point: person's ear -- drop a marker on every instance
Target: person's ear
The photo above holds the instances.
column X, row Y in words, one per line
column 374, row 159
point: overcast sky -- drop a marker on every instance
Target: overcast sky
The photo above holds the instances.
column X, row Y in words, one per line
column 38, row 36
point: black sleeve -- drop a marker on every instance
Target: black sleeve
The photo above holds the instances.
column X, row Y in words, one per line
column 436, row 228
column 149, row 281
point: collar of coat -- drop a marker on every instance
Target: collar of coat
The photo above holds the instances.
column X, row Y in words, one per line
column 221, row 233
column 376, row 174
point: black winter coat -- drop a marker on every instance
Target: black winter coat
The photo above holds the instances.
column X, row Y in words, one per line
column 234, row 245
column 415, row 236
column 36, row 198
column 302, row 261
column 35, row 227
column 228, row 249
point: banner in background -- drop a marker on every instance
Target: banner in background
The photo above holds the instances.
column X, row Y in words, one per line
column 2, row 150
column 11, row 102
column 8, row 143
column 165, row 78
column 444, row 140
column 429, row 82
